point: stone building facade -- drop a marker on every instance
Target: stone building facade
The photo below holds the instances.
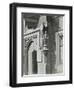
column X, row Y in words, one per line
column 42, row 44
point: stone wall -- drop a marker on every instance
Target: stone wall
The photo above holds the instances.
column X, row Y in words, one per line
column 53, row 27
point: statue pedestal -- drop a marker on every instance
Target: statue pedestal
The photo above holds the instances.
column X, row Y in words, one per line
column 41, row 68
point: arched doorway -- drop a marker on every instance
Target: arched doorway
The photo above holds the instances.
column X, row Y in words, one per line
column 32, row 59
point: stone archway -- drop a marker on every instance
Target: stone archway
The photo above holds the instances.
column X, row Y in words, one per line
column 32, row 58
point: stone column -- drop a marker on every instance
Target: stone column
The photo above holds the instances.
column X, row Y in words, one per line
column 45, row 50
column 24, row 25
column 26, row 62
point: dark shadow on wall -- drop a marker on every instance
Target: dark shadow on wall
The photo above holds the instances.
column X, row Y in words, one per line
column 53, row 27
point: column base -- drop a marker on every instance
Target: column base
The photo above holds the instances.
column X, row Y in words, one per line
column 41, row 68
